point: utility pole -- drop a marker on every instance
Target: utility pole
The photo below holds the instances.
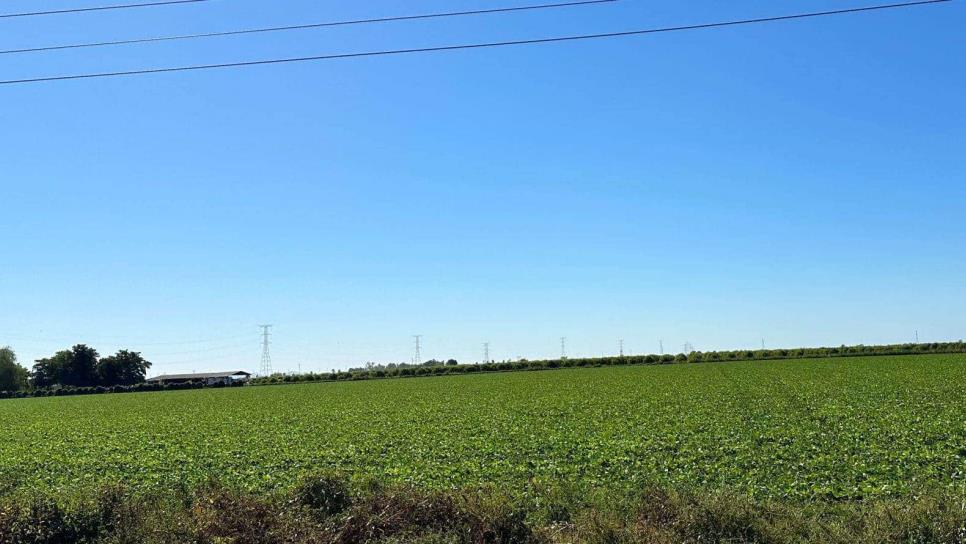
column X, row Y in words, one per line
column 417, row 358
column 266, row 367
column 563, row 347
column 620, row 344
column 486, row 353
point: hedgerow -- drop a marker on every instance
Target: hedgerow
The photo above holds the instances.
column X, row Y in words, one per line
column 681, row 358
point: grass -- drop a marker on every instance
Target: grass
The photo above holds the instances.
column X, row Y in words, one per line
column 789, row 450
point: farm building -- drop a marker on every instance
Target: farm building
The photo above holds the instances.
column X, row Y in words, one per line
column 209, row 378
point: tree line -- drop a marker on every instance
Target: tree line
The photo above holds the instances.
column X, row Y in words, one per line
column 436, row 369
column 370, row 366
column 78, row 367
column 80, row 371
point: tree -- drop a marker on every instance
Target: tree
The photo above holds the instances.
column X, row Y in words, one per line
column 13, row 377
column 123, row 368
column 451, row 362
column 47, row 372
column 82, row 369
column 76, row 367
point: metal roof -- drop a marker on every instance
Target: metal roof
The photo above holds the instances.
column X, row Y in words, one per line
column 202, row 376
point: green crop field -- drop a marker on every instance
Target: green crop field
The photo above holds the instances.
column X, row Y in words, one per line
column 799, row 430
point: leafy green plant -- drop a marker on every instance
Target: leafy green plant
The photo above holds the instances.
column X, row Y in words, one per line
column 833, row 430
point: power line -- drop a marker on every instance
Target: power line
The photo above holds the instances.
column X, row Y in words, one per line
column 558, row 39
column 306, row 26
column 98, row 8
column 194, row 351
column 118, row 340
column 234, row 356
column 182, row 343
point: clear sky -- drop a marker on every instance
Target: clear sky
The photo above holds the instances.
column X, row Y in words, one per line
column 802, row 182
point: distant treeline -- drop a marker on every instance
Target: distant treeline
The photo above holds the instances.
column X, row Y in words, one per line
column 440, row 369
column 78, row 368
column 69, row 391
column 57, row 376
column 393, row 366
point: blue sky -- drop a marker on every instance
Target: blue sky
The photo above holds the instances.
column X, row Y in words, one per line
column 801, row 182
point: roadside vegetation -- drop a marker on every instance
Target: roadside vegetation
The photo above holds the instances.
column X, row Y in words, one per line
column 331, row 509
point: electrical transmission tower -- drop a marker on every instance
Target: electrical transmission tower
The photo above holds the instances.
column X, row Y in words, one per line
column 563, row 347
column 620, row 343
column 417, row 358
column 486, row 353
column 266, row 368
